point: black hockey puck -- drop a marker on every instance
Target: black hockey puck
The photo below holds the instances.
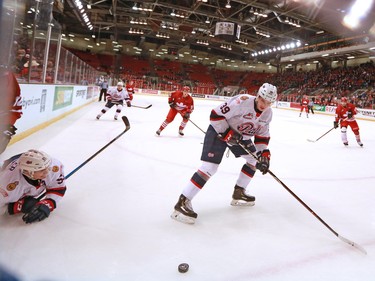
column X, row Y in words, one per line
column 183, row 267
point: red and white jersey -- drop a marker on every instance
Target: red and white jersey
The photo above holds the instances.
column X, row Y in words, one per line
column 240, row 114
column 130, row 88
column 182, row 104
column 305, row 102
column 342, row 112
column 14, row 186
column 11, row 104
column 115, row 95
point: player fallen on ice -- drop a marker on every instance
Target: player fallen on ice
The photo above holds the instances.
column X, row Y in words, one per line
column 31, row 183
column 239, row 119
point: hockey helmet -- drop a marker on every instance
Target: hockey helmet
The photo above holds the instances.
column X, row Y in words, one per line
column 186, row 89
column 34, row 160
column 344, row 99
column 120, row 84
column 268, row 92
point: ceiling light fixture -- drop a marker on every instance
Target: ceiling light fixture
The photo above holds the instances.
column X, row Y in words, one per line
column 228, row 6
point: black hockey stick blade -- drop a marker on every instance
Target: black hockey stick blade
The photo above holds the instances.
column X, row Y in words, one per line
column 143, row 107
column 355, row 245
column 126, row 122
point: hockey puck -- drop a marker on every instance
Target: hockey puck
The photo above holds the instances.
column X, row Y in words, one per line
column 183, row 267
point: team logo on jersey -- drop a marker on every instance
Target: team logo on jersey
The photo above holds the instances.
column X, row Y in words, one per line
column 248, row 116
column 244, row 97
column 12, row 186
column 210, row 154
column 3, row 192
column 55, row 169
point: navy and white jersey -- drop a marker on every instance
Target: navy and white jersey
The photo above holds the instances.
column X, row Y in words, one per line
column 240, row 114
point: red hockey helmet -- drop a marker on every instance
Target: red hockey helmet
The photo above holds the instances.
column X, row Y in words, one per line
column 344, row 99
column 186, row 89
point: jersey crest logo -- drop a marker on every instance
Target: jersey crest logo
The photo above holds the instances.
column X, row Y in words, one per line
column 3, row 192
column 12, row 186
column 55, row 169
column 248, row 116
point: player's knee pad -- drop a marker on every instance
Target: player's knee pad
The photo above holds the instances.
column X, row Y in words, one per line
column 208, row 169
column 343, row 130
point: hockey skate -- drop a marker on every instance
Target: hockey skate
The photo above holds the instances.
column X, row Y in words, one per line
column 115, row 118
column 181, row 132
column 183, row 211
column 158, row 132
column 240, row 198
column 346, row 143
column 98, row 116
column 360, row 143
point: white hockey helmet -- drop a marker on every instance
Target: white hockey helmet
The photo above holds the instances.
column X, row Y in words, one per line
column 268, row 92
column 34, row 160
column 120, row 84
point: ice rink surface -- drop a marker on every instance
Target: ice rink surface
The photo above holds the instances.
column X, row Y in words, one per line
column 114, row 222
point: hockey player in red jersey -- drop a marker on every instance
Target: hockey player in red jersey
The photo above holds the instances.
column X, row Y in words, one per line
column 304, row 106
column 24, row 178
column 239, row 119
column 345, row 113
column 130, row 89
column 179, row 102
column 11, row 108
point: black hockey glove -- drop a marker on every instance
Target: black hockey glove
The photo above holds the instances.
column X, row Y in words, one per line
column 10, row 131
column 335, row 124
column 186, row 115
column 350, row 114
column 249, row 145
column 23, row 205
column 37, row 213
column 172, row 104
column 230, row 136
column 263, row 163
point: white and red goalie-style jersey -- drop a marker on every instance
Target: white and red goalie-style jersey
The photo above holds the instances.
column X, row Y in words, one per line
column 115, row 95
column 240, row 114
column 14, row 186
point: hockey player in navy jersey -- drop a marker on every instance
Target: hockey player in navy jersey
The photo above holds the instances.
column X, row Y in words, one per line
column 239, row 119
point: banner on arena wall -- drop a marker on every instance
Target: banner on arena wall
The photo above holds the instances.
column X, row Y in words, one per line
column 63, row 97
column 92, row 91
column 317, row 107
column 147, row 91
column 366, row 112
column 165, row 93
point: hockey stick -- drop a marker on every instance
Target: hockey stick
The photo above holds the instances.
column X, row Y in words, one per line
column 197, row 126
column 143, row 107
column 127, row 127
column 310, row 140
column 351, row 243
